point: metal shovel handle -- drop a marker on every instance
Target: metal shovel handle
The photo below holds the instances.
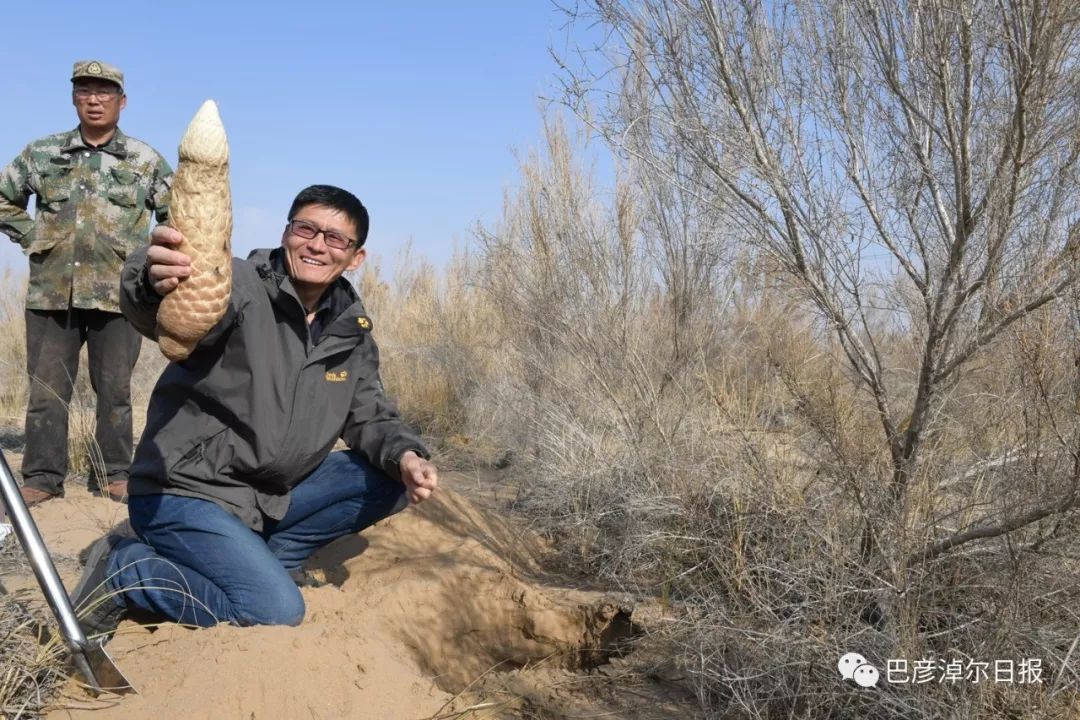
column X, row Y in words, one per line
column 90, row 659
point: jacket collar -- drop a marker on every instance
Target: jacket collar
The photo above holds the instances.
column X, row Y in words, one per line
column 117, row 144
column 347, row 317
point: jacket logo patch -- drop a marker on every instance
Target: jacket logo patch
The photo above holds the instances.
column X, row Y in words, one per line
column 363, row 322
column 341, row 376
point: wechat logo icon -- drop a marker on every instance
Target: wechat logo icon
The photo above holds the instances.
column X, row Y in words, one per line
column 853, row 666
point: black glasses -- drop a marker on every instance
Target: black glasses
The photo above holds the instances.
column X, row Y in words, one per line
column 308, row 231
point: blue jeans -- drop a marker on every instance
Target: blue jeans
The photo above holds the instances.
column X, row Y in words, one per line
column 196, row 563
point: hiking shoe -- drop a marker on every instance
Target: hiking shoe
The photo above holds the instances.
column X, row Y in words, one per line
column 115, row 490
column 35, row 496
column 303, row 578
column 97, row 606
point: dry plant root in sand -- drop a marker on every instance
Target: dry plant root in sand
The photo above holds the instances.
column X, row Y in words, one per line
column 201, row 209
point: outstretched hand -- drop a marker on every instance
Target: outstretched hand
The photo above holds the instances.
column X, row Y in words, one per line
column 419, row 476
column 165, row 266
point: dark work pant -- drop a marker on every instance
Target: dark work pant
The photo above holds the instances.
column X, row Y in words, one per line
column 53, row 341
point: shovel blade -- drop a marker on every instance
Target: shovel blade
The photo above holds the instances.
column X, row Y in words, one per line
column 99, row 671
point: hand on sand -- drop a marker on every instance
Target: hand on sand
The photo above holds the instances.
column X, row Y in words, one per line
column 419, row 475
column 165, row 266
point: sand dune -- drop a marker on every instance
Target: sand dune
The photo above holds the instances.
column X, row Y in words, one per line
column 440, row 599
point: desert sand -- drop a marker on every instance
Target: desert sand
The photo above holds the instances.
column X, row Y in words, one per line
column 439, row 609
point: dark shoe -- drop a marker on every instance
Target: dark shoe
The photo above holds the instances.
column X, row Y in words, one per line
column 35, row 496
column 303, row 578
column 115, row 490
column 99, row 609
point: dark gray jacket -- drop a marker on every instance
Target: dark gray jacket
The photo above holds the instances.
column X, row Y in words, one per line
column 257, row 406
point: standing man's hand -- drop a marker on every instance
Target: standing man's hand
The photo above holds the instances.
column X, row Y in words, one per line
column 419, row 475
column 166, row 266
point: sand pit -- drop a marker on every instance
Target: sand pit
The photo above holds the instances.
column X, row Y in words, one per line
column 441, row 599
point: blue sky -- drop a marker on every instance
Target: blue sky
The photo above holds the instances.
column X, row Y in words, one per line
column 417, row 108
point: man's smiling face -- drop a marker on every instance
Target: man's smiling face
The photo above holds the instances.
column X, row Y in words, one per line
column 313, row 264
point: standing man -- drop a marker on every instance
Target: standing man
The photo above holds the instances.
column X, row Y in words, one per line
column 95, row 190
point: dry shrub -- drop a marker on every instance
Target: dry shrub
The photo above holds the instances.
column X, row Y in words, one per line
column 692, row 429
column 621, row 380
column 606, row 385
column 437, row 342
column 776, row 589
column 877, row 162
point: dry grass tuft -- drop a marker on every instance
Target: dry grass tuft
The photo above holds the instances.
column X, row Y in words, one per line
column 437, row 338
column 31, row 670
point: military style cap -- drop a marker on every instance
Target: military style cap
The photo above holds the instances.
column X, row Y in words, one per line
column 97, row 70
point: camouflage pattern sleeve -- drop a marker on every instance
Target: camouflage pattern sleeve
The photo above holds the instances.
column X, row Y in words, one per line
column 16, row 186
column 158, row 197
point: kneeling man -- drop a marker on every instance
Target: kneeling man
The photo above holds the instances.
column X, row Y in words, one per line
column 234, row 484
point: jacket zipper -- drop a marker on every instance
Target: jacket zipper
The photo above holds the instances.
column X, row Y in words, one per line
column 286, row 443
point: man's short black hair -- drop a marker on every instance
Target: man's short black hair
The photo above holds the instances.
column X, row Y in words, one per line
column 341, row 200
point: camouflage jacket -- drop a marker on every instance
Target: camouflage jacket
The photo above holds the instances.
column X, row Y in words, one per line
column 92, row 209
